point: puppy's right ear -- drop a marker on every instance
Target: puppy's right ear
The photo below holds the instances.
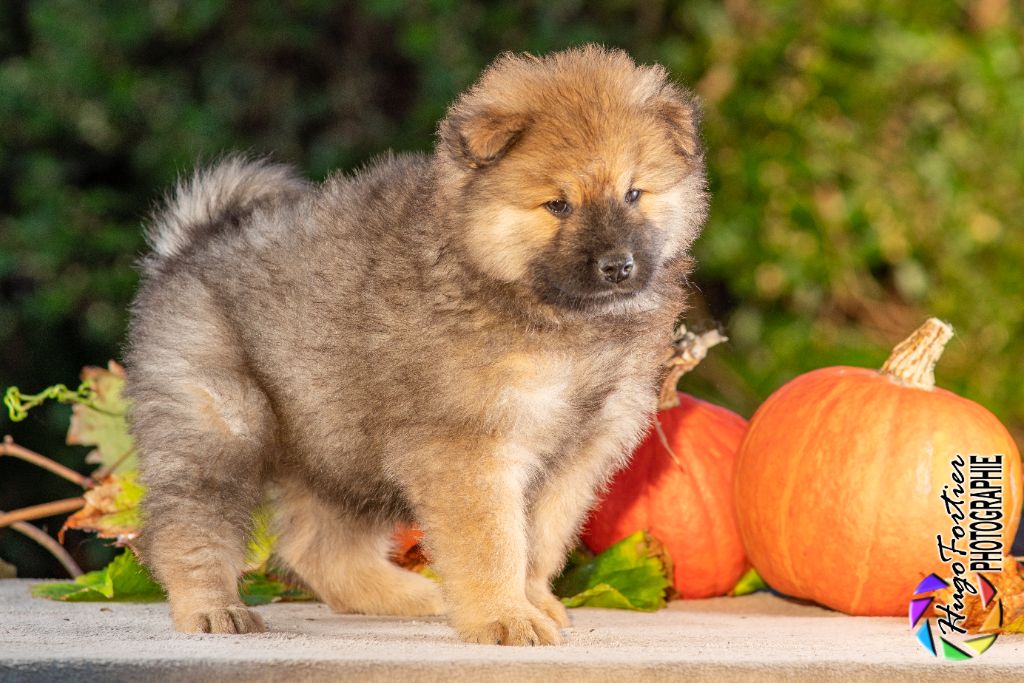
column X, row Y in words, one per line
column 480, row 138
column 675, row 107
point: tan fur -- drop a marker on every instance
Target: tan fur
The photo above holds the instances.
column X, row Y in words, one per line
column 428, row 340
column 360, row 579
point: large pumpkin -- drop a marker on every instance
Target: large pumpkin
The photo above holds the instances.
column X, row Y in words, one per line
column 679, row 486
column 840, row 476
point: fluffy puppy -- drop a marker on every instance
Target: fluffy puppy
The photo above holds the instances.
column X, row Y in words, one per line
column 469, row 339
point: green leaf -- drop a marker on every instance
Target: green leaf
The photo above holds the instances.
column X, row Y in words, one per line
column 750, row 582
column 261, row 543
column 632, row 574
column 124, row 579
column 601, row 595
column 259, row 589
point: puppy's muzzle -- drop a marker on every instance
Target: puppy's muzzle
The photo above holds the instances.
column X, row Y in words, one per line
column 615, row 266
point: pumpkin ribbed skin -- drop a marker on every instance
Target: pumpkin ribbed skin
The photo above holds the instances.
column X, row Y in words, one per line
column 838, row 485
column 687, row 506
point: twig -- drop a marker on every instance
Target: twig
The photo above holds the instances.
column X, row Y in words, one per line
column 56, row 549
column 39, row 511
column 8, row 447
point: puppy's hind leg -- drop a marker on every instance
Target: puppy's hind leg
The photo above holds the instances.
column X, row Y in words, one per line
column 345, row 560
column 203, row 470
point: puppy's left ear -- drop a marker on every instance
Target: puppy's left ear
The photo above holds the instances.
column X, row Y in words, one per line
column 480, row 138
column 680, row 112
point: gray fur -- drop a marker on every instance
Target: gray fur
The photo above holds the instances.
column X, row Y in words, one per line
column 212, row 196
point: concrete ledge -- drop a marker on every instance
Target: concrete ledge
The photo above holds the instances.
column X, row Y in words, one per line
column 724, row 639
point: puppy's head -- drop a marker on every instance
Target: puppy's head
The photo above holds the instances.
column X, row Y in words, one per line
column 578, row 175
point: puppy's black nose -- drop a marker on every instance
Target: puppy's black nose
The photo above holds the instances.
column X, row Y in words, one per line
column 616, row 266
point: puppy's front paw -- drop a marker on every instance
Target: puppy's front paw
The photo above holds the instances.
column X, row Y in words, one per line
column 525, row 625
column 544, row 600
column 233, row 619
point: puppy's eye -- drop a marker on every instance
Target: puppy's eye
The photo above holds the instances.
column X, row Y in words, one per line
column 633, row 195
column 558, row 207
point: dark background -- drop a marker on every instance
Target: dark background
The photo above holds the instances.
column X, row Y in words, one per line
column 866, row 162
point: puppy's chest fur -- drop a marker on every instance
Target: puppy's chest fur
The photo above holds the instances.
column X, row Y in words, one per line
column 539, row 403
column 550, row 401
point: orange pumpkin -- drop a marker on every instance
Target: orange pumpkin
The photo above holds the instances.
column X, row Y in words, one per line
column 679, row 486
column 840, row 476
column 406, row 550
column 406, row 536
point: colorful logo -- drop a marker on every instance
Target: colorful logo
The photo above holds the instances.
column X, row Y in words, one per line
column 948, row 647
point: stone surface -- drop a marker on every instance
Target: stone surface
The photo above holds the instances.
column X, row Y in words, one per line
column 758, row 636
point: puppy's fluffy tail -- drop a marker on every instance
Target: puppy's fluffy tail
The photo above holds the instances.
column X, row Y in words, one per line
column 215, row 195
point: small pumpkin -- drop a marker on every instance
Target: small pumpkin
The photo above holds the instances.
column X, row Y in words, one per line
column 679, row 485
column 840, row 476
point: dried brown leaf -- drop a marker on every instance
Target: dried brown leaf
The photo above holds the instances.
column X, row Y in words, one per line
column 102, row 423
column 111, row 510
column 1009, row 584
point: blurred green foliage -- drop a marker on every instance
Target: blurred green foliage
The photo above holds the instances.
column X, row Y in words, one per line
column 865, row 160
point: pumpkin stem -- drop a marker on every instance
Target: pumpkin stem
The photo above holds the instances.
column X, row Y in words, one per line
column 687, row 351
column 912, row 361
